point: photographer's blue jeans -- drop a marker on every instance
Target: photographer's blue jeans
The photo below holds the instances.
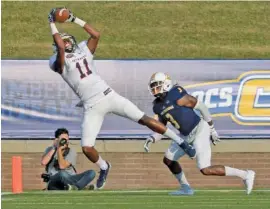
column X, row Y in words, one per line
column 60, row 180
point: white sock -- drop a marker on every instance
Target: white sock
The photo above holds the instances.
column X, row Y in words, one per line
column 102, row 163
column 181, row 178
column 235, row 172
column 169, row 133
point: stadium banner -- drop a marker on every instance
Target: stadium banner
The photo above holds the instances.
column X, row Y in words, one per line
column 36, row 101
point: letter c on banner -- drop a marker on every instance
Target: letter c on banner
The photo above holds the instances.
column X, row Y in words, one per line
column 253, row 101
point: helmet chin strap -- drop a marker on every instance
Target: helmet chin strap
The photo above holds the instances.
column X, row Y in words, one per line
column 68, row 50
column 161, row 95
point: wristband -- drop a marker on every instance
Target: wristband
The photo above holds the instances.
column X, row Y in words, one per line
column 79, row 22
column 156, row 137
column 53, row 28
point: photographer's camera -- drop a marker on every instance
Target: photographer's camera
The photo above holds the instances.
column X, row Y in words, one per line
column 62, row 142
column 45, row 177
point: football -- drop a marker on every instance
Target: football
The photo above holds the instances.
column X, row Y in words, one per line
column 61, row 15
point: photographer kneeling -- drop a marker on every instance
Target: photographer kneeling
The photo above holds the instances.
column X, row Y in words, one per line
column 60, row 160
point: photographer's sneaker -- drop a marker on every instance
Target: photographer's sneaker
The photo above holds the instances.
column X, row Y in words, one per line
column 71, row 187
column 103, row 176
column 249, row 181
column 91, row 187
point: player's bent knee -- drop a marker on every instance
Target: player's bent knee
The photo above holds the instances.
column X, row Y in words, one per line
column 87, row 149
column 143, row 120
column 150, row 123
column 167, row 162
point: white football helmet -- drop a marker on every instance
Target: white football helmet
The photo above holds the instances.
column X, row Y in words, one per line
column 70, row 43
column 159, row 83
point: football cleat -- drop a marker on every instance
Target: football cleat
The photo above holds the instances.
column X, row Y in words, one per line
column 184, row 190
column 103, row 176
column 249, row 181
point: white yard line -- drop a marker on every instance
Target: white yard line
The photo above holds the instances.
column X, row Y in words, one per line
column 131, row 203
column 6, row 193
column 7, row 199
column 132, row 191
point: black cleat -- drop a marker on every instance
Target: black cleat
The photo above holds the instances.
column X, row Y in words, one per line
column 102, row 177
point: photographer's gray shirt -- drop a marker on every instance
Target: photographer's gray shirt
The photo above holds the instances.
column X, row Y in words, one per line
column 70, row 157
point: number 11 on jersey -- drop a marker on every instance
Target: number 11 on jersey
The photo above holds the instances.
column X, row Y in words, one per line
column 88, row 71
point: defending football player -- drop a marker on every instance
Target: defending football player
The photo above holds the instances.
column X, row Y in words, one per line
column 173, row 104
column 74, row 62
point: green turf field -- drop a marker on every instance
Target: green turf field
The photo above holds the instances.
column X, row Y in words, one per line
column 134, row 200
column 145, row 29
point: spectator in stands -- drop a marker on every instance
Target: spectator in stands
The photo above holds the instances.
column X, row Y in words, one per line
column 59, row 161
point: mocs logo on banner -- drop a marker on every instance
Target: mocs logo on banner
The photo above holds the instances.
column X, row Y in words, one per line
column 246, row 99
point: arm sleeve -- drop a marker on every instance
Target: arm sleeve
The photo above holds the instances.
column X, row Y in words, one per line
column 203, row 110
column 71, row 157
column 47, row 150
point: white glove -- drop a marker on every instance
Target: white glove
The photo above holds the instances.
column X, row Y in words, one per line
column 71, row 17
column 147, row 143
column 214, row 135
column 51, row 16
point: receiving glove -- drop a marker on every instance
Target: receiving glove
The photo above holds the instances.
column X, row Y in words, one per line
column 147, row 143
column 214, row 135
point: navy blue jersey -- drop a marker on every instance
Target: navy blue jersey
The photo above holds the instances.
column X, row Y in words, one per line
column 182, row 118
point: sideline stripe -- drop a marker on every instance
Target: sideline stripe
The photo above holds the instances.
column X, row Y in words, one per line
column 132, row 191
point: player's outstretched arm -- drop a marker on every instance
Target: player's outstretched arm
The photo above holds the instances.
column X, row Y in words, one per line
column 190, row 101
column 94, row 37
column 60, row 60
column 94, row 34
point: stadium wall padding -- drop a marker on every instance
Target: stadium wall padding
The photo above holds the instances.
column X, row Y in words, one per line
column 36, row 101
column 134, row 169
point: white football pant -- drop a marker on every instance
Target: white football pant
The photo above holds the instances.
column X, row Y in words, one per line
column 200, row 139
column 94, row 115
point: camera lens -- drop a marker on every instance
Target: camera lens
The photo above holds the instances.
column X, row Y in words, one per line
column 62, row 142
